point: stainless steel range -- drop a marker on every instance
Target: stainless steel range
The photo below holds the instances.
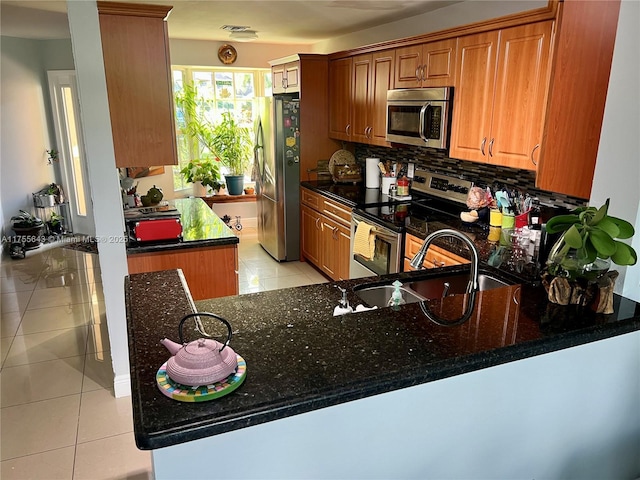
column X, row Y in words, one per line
column 436, row 198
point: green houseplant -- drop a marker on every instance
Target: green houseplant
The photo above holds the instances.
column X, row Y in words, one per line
column 589, row 242
column 55, row 223
column 232, row 145
column 205, row 171
column 227, row 141
column 28, row 229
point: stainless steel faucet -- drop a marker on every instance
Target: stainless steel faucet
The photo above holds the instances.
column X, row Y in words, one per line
column 417, row 261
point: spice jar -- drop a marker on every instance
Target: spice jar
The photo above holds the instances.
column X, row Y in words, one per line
column 403, row 186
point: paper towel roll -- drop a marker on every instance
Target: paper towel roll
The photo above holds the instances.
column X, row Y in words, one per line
column 372, row 174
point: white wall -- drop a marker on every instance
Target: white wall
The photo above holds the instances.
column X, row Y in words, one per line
column 104, row 179
column 444, row 18
column 250, row 55
column 617, row 174
column 24, row 131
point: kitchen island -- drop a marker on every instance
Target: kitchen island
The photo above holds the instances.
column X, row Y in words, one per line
column 207, row 253
column 522, row 389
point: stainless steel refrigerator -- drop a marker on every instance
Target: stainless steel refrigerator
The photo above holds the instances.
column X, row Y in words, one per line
column 277, row 161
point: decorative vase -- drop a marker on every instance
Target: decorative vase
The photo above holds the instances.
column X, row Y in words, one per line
column 199, row 190
column 563, row 261
column 235, row 184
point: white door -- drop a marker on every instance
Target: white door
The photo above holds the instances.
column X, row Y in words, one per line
column 73, row 163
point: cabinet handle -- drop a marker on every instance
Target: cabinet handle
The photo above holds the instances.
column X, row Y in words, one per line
column 285, row 82
column 334, row 233
column 534, row 149
column 437, row 264
column 484, row 141
column 418, row 73
column 491, row 147
column 423, row 70
column 347, row 128
column 317, row 220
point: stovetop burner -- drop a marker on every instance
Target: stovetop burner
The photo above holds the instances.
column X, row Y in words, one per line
column 436, row 199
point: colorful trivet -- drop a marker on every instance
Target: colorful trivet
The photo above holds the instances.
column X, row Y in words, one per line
column 186, row 393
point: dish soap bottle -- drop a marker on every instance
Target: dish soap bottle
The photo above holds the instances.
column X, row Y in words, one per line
column 396, row 297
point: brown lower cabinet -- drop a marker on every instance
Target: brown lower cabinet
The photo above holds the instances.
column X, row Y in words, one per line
column 436, row 256
column 325, row 234
column 210, row 271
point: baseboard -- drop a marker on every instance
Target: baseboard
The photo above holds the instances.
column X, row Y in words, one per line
column 122, row 386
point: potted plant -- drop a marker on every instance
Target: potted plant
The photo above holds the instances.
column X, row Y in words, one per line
column 227, row 141
column 28, row 229
column 202, row 173
column 577, row 267
column 589, row 242
column 55, row 223
column 232, row 145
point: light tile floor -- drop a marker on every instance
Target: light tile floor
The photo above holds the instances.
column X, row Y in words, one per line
column 59, row 418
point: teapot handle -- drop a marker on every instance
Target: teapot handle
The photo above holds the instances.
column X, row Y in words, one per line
column 206, row 314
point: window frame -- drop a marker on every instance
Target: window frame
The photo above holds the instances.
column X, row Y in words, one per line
column 262, row 88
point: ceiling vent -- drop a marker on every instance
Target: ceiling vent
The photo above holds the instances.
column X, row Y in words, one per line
column 235, row 28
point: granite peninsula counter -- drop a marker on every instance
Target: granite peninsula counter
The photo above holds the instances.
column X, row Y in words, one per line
column 389, row 394
column 207, row 252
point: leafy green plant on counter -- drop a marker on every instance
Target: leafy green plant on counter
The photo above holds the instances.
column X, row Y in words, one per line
column 589, row 234
column 205, row 171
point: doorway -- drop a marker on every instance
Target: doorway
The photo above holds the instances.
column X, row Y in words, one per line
column 73, row 164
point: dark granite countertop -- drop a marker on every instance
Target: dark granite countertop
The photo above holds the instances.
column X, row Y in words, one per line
column 301, row 358
column 201, row 227
column 521, row 263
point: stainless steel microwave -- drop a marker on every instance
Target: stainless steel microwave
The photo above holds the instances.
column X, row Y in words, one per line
column 420, row 116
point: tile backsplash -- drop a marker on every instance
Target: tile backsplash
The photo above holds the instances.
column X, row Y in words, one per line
column 481, row 174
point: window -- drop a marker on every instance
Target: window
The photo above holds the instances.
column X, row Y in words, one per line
column 222, row 89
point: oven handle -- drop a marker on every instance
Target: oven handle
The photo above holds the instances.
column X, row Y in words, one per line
column 380, row 231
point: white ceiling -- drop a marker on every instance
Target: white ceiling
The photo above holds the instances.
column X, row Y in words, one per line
column 276, row 21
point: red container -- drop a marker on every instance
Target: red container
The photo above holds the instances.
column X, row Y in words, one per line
column 157, row 229
column 402, row 185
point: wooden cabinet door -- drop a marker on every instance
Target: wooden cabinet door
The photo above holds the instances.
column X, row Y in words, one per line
column 382, row 70
column 583, row 54
column 427, row 65
column 436, row 256
column 340, row 99
column 522, row 81
column 472, row 106
column 311, row 232
column 438, row 64
column 292, row 77
column 360, row 95
column 407, row 68
column 135, row 47
column 277, row 79
column 334, row 248
column 343, row 249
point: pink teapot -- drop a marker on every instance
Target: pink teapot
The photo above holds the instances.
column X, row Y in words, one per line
column 203, row 361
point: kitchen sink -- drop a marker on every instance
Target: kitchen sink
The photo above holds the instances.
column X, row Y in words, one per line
column 380, row 295
column 433, row 287
column 457, row 284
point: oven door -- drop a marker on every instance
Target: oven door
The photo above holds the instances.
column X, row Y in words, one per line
column 387, row 253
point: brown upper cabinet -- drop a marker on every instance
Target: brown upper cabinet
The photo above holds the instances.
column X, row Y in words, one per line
column 311, row 73
column 577, row 96
column 285, row 78
column 427, row 65
column 135, row 47
column 340, row 98
column 500, row 95
column 358, row 97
